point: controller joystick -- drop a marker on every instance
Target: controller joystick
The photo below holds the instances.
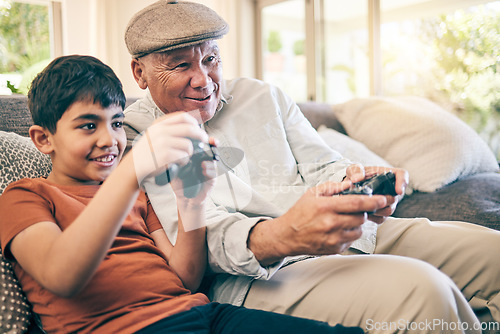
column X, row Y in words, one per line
column 381, row 184
column 191, row 174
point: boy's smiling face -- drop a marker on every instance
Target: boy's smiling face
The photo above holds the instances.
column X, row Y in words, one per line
column 87, row 145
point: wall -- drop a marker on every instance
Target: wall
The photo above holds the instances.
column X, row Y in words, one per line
column 96, row 27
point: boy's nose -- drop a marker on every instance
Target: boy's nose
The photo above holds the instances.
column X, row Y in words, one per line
column 107, row 138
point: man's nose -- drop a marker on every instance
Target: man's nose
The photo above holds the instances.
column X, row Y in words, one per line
column 200, row 77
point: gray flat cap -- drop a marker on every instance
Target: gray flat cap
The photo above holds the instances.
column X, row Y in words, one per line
column 167, row 25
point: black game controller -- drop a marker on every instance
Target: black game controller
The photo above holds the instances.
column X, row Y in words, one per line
column 381, row 184
column 191, row 174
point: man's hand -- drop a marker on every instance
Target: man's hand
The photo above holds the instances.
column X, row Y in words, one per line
column 356, row 173
column 318, row 224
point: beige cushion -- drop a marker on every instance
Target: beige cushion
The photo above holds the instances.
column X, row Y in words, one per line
column 414, row 133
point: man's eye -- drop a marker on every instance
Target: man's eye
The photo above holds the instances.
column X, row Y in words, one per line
column 182, row 65
column 118, row 124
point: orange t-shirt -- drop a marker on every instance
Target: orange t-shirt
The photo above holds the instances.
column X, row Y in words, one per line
column 132, row 288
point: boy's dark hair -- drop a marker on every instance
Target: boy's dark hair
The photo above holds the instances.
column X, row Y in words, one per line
column 71, row 79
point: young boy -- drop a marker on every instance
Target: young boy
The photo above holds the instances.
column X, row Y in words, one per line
column 86, row 246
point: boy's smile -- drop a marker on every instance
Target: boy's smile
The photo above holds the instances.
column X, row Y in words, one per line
column 87, row 145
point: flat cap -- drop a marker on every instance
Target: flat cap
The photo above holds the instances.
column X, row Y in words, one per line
column 168, row 25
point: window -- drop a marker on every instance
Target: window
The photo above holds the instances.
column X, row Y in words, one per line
column 445, row 50
column 346, row 52
column 449, row 54
column 283, row 45
column 28, row 41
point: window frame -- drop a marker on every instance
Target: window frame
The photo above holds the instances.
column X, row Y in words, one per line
column 315, row 64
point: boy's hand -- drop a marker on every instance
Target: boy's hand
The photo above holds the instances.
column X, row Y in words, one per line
column 191, row 210
column 166, row 141
column 209, row 174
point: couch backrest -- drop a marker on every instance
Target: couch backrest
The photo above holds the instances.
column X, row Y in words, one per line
column 14, row 114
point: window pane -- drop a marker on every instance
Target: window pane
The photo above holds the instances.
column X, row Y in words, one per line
column 283, row 36
column 449, row 53
column 24, row 43
column 346, row 66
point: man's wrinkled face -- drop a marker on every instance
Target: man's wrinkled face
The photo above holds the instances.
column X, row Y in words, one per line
column 187, row 79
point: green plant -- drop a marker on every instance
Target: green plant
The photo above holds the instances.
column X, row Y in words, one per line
column 24, row 35
column 299, row 47
column 274, row 41
column 12, row 88
column 466, row 45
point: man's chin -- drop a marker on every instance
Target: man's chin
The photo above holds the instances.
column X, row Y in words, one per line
column 201, row 115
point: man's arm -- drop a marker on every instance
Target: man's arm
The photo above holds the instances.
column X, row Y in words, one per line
column 318, row 224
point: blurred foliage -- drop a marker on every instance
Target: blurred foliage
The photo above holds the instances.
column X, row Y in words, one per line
column 12, row 88
column 467, row 61
column 24, row 36
column 29, row 74
column 274, row 41
column 299, row 47
column 466, row 72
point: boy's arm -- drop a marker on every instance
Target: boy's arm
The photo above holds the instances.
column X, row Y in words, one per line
column 64, row 261
column 188, row 258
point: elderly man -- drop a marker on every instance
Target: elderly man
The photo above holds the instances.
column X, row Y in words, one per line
column 276, row 225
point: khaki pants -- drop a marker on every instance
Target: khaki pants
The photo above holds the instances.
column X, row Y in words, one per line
column 394, row 291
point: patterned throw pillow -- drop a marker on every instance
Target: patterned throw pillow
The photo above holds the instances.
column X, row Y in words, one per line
column 19, row 158
column 15, row 313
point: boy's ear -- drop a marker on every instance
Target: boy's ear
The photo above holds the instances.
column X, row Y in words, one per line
column 41, row 138
column 138, row 73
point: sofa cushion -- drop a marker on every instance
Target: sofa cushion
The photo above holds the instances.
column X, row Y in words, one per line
column 416, row 134
column 15, row 313
column 19, row 158
column 473, row 199
column 321, row 114
column 351, row 149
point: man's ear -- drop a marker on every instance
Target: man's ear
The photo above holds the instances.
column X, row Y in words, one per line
column 137, row 71
column 41, row 138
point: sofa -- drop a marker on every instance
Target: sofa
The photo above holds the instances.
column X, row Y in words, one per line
column 453, row 173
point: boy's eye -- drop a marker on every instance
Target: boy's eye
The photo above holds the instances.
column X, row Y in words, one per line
column 118, row 124
column 88, row 126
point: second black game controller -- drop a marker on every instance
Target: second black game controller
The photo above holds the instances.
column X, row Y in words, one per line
column 381, row 184
column 191, row 174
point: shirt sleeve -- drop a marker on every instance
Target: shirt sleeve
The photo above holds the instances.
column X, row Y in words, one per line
column 21, row 207
column 152, row 221
column 227, row 235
